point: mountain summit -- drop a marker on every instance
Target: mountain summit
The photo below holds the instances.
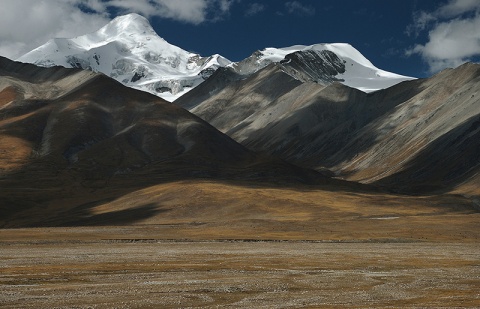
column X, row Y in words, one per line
column 128, row 50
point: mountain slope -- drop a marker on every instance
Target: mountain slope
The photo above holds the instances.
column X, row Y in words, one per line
column 435, row 134
column 128, row 50
column 396, row 137
column 239, row 99
column 72, row 139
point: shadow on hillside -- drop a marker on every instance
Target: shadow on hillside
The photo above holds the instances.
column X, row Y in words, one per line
column 84, row 217
column 447, row 162
column 327, row 131
column 39, row 195
column 76, row 205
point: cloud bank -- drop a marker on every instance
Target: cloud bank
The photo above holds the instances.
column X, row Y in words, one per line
column 453, row 34
column 27, row 24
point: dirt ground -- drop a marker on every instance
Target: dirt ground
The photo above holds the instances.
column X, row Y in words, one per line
column 102, row 268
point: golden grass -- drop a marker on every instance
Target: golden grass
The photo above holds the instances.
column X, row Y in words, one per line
column 205, row 210
column 293, row 213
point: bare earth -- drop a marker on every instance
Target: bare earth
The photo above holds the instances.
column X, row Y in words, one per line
column 111, row 267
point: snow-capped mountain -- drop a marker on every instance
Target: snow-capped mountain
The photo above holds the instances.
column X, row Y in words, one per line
column 323, row 63
column 128, row 50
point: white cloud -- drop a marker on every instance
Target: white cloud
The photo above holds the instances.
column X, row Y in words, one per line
column 454, row 35
column 296, row 7
column 27, row 24
column 192, row 11
column 457, row 7
column 254, row 9
column 189, row 11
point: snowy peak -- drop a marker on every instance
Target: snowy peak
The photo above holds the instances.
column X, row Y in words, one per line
column 127, row 24
column 343, row 50
column 323, row 63
column 128, row 50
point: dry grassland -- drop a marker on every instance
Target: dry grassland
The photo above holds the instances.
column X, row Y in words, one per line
column 212, row 210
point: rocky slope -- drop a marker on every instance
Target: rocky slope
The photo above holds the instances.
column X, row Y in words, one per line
column 417, row 135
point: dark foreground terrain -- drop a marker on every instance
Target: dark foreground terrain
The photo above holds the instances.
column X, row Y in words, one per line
column 132, row 267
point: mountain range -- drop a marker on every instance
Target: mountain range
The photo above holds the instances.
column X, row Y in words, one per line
column 282, row 134
column 128, row 50
column 412, row 136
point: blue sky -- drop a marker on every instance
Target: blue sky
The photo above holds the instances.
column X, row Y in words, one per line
column 410, row 37
column 376, row 28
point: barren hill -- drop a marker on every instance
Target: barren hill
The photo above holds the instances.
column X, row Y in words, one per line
column 416, row 136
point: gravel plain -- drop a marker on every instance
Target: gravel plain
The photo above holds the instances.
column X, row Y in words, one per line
column 238, row 274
